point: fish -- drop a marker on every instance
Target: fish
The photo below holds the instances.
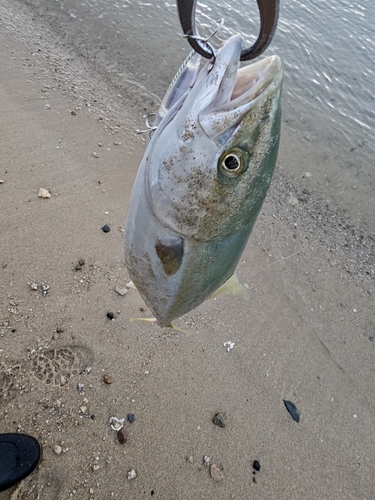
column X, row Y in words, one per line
column 202, row 182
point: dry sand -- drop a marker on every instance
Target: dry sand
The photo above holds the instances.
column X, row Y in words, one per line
column 304, row 332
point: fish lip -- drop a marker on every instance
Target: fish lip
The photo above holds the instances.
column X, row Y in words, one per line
column 250, row 84
column 255, row 79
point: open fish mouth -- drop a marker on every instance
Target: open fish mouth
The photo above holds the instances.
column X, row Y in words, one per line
column 239, row 89
column 254, row 79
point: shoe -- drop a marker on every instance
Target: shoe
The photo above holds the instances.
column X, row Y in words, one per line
column 19, row 456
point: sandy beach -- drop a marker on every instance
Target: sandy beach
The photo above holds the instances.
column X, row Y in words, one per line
column 303, row 333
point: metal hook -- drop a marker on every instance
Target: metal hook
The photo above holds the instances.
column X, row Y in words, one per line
column 150, row 128
column 204, row 41
column 268, row 12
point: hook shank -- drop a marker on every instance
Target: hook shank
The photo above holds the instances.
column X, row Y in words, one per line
column 268, row 12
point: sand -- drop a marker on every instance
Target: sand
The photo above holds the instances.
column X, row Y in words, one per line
column 304, row 332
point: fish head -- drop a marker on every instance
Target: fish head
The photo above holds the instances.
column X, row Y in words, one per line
column 210, row 163
column 202, row 182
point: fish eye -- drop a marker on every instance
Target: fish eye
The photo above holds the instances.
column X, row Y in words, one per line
column 232, row 163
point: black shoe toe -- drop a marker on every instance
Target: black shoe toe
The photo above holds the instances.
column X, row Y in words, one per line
column 19, row 455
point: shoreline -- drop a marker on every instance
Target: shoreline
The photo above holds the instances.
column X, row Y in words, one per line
column 304, row 333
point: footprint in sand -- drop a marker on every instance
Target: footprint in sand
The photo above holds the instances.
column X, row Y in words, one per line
column 53, row 367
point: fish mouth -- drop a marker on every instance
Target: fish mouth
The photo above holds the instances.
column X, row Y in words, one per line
column 255, row 79
column 239, row 89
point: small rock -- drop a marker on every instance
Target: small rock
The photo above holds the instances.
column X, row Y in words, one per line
column 121, row 290
column 206, row 461
column 106, row 228
column 44, row 193
column 219, row 419
column 1, row 181
column 216, row 473
column 80, row 264
column 292, row 200
column 63, row 380
column 122, row 436
column 95, row 155
column 130, row 417
column 80, row 387
column 73, row 113
column 132, row 474
column 34, row 286
column 45, row 287
column 107, row 379
column 110, row 315
column 83, row 409
column 256, row 465
column 292, row 409
column 57, row 449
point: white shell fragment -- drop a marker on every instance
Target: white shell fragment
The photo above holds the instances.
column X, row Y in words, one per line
column 132, row 474
column 116, row 423
column 44, row 193
column 229, row 345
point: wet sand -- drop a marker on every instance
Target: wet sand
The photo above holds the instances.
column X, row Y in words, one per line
column 304, row 333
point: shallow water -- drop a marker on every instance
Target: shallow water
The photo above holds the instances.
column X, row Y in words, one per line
column 327, row 49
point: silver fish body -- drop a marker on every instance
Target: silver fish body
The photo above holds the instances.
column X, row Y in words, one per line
column 202, row 182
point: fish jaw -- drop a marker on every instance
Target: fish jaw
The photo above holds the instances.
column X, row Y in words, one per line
column 190, row 213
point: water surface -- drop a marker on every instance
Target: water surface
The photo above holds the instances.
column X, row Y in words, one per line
column 327, row 50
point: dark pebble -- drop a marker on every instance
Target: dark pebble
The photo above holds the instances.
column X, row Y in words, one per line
column 106, row 228
column 256, row 465
column 13, row 330
column 219, row 420
column 122, row 437
column 131, row 417
column 152, row 492
column 80, row 264
column 110, row 315
column 92, row 417
column 370, row 338
column 292, row 409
